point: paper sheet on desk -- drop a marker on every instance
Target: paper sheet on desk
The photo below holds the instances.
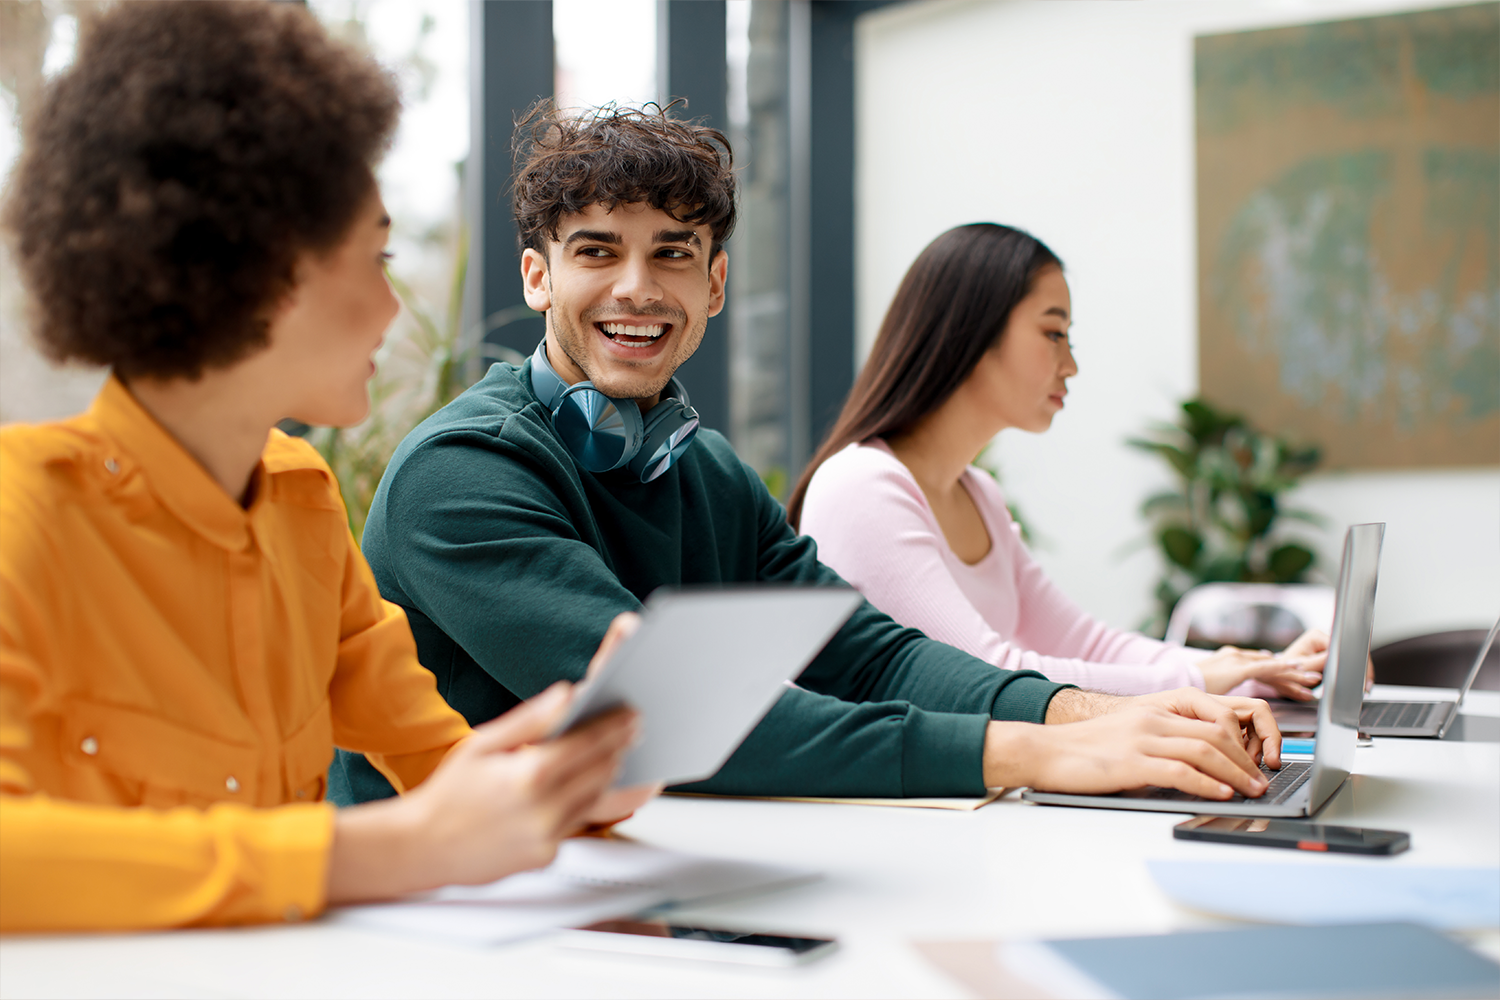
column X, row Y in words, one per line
column 1335, row 892
column 591, row 879
column 960, row 804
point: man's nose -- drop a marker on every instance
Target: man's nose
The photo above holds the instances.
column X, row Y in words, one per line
column 636, row 282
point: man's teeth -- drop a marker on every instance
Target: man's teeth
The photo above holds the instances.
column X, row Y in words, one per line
column 621, row 330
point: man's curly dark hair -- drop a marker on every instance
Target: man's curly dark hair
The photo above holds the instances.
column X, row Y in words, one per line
column 613, row 156
column 172, row 176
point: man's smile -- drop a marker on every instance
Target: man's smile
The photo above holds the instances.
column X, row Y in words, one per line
column 632, row 334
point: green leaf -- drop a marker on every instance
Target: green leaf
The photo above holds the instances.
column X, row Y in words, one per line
column 1260, row 511
column 1159, row 503
column 1289, row 562
column 1226, row 568
column 1180, row 545
column 1206, row 424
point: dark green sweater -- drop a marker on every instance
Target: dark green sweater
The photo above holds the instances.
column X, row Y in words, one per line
column 511, row 561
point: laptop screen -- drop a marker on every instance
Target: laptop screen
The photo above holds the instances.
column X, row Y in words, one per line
column 1484, row 650
column 1349, row 648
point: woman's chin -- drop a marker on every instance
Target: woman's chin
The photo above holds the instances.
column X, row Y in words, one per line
column 330, row 413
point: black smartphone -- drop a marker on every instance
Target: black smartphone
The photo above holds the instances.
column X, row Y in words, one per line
column 1293, row 835
column 668, row 940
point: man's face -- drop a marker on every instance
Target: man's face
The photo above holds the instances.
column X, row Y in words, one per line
column 627, row 295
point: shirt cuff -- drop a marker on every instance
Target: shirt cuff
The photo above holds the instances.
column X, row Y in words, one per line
column 299, row 843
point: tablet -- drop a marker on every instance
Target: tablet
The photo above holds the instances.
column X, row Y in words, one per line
column 704, row 667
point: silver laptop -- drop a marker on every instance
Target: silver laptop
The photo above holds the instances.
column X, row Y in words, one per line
column 1422, row 718
column 1299, row 788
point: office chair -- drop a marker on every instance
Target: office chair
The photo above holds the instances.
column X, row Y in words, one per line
column 1438, row 659
column 1250, row 615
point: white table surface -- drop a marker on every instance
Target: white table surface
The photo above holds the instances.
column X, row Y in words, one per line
column 892, row 876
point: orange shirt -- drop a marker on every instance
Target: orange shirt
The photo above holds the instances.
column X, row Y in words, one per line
column 175, row 671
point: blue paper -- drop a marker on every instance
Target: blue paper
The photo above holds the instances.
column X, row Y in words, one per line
column 1337, row 892
column 1362, row 960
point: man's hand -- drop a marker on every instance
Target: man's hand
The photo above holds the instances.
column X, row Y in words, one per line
column 1202, row 744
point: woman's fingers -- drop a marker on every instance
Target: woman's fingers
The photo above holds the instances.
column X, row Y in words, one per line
column 528, row 722
column 605, row 736
column 581, row 790
column 1312, row 641
column 622, row 628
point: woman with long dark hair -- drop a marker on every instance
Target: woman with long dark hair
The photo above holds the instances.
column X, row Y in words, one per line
column 976, row 341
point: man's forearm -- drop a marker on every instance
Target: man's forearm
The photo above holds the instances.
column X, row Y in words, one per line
column 1075, row 705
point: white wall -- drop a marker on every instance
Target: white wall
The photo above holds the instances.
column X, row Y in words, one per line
column 1075, row 121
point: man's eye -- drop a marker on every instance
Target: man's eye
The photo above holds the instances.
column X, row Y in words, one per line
column 593, row 252
column 674, row 253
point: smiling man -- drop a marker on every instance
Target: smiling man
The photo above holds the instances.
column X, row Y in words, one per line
column 517, row 522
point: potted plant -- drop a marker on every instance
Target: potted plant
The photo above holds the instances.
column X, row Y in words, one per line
column 1221, row 521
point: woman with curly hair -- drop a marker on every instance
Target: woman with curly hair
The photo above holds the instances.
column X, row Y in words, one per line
column 187, row 627
column 975, row 342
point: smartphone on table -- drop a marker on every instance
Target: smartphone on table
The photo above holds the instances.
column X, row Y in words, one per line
column 665, row 939
column 1292, row 835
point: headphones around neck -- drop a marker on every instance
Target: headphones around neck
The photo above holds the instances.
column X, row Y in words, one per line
column 603, row 433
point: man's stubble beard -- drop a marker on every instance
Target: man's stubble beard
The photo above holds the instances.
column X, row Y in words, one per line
column 571, row 341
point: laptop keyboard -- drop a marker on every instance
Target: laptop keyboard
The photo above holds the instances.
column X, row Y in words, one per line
column 1283, row 783
column 1402, row 714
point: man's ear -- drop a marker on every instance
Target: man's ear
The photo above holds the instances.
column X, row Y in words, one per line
column 718, row 274
column 534, row 280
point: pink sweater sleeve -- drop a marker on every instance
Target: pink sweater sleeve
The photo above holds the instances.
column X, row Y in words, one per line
column 874, row 528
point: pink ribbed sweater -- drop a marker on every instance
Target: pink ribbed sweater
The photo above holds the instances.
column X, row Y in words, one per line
column 874, row 528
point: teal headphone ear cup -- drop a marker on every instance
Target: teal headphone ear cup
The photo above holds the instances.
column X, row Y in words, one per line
column 602, row 433
column 670, row 428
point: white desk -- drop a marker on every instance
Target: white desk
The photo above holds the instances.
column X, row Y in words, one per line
column 893, row 875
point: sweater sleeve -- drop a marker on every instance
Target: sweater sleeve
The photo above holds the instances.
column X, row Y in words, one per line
column 874, row 527
column 494, row 538
column 878, row 694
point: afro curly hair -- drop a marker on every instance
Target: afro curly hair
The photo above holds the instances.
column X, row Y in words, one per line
column 172, row 176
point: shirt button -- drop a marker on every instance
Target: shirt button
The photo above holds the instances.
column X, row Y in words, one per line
column 112, row 466
column 301, row 793
column 232, row 783
column 89, row 745
column 292, row 913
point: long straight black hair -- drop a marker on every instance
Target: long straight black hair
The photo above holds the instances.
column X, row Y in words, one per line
column 951, row 307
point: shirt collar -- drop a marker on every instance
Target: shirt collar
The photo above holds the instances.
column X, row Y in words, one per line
column 173, row 476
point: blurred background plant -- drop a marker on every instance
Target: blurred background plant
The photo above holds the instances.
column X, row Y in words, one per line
column 1224, row 521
